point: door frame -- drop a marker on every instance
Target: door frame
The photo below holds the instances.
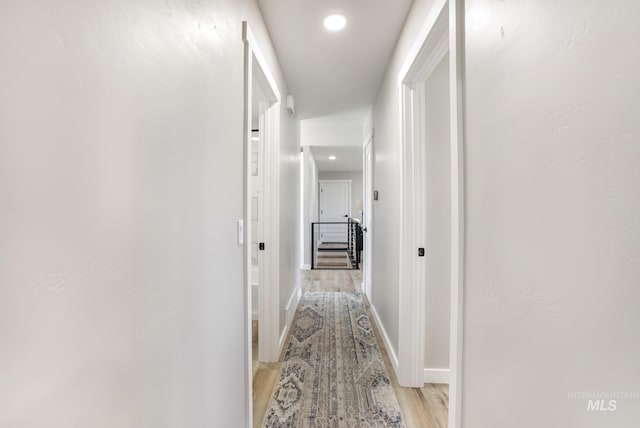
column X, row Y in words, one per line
column 443, row 32
column 349, row 182
column 367, row 169
column 255, row 67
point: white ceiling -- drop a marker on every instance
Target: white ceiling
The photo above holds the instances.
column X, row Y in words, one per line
column 348, row 158
column 331, row 72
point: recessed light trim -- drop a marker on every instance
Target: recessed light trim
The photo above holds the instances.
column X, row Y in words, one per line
column 332, row 157
column 335, row 22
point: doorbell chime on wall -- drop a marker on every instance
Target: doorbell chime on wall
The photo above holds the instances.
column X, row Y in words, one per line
column 291, row 105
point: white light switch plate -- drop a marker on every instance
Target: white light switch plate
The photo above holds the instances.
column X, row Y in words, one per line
column 240, row 232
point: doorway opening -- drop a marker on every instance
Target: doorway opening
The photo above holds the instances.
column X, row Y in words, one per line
column 367, row 217
column 336, row 238
column 261, row 213
column 432, row 209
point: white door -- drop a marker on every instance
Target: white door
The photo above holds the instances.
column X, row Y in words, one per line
column 367, row 216
column 335, row 207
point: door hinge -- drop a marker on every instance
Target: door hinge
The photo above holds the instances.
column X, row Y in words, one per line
column 261, row 246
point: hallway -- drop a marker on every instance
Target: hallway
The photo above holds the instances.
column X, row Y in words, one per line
column 421, row 408
column 493, row 151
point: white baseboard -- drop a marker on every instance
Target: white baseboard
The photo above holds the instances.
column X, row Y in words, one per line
column 290, row 311
column 437, row 376
column 292, row 305
column 385, row 338
column 305, row 267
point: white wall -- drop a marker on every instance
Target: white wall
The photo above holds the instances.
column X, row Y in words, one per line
column 341, row 129
column 289, row 194
column 310, row 201
column 367, row 126
column 356, row 186
column 438, row 216
column 553, row 212
column 121, row 291
column 386, row 224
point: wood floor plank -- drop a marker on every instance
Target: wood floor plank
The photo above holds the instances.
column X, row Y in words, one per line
column 436, row 401
column 263, row 383
column 254, row 347
column 421, row 408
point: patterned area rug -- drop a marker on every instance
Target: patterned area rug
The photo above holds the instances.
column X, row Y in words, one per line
column 333, row 374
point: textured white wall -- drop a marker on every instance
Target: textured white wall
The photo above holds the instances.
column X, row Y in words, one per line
column 387, row 170
column 553, row 220
column 438, row 216
column 121, row 294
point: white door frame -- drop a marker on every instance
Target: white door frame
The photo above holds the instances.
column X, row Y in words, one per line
column 443, row 32
column 255, row 67
column 367, row 170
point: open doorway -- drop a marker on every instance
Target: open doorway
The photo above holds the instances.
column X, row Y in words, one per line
column 333, row 233
column 436, row 277
column 367, row 217
column 432, row 215
column 260, row 219
column 255, row 227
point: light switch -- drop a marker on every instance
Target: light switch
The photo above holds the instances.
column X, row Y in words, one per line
column 240, row 232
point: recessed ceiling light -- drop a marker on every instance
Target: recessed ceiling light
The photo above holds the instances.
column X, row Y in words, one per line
column 335, row 22
column 332, row 158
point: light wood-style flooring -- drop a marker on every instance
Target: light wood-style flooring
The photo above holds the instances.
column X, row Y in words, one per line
column 421, row 407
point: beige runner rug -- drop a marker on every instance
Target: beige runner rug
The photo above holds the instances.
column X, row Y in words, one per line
column 333, row 374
